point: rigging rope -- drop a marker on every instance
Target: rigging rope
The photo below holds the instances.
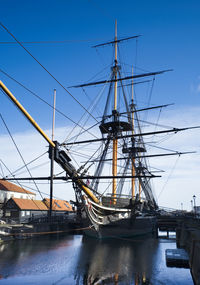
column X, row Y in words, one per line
column 56, row 42
column 29, row 163
column 35, row 167
column 156, row 125
column 20, row 153
column 150, row 95
column 74, row 137
column 44, row 101
column 21, row 185
column 46, row 70
column 47, row 194
column 90, row 107
column 170, row 174
column 159, row 147
column 2, row 170
column 100, row 57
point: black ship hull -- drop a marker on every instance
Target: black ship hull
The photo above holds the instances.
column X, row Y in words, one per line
column 126, row 228
column 109, row 222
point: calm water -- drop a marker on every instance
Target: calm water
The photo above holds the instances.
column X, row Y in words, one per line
column 80, row 260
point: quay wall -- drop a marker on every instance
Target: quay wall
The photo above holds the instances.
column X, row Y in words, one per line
column 188, row 237
column 22, row 231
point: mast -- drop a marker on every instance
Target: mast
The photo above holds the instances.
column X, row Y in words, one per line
column 54, row 108
column 52, row 158
column 115, row 141
column 133, row 159
column 140, row 189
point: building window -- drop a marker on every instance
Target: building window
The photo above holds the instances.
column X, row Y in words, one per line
column 8, row 214
column 57, row 205
column 28, row 213
column 23, row 213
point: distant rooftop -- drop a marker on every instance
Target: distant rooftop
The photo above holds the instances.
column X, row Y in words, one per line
column 27, row 204
column 8, row 186
column 58, row 205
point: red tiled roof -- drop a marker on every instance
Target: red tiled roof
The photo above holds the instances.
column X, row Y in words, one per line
column 8, row 186
column 58, row 205
column 27, row 204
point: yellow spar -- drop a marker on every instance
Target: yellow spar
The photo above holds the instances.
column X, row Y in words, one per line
column 25, row 113
column 85, row 189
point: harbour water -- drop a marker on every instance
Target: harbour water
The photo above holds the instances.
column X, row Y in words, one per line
column 78, row 260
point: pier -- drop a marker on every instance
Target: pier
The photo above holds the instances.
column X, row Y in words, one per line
column 39, row 227
column 187, row 230
column 188, row 237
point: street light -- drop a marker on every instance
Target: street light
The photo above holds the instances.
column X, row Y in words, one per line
column 191, row 204
column 194, row 198
column 181, row 206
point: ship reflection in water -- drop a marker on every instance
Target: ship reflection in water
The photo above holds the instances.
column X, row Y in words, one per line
column 78, row 260
column 117, row 261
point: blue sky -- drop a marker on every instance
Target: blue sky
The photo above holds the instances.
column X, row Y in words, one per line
column 170, row 40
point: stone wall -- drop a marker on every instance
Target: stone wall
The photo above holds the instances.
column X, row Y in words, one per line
column 188, row 237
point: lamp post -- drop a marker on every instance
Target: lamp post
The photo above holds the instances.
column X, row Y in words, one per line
column 191, row 204
column 182, row 207
column 194, row 198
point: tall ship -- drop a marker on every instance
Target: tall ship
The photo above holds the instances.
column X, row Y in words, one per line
column 113, row 186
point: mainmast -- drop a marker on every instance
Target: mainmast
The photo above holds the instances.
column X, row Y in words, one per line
column 115, row 141
column 113, row 127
